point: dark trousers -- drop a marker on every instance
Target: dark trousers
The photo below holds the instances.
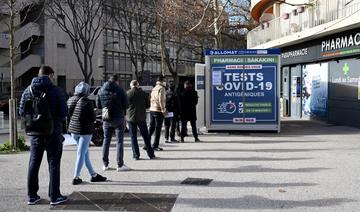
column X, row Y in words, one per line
column 156, row 121
column 184, row 128
column 170, row 125
column 53, row 147
column 109, row 128
column 145, row 135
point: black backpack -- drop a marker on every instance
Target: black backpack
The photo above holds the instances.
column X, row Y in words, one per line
column 37, row 116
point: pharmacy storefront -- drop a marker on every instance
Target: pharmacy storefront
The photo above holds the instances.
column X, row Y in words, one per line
column 321, row 79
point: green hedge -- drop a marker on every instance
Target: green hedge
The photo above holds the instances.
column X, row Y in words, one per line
column 21, row 146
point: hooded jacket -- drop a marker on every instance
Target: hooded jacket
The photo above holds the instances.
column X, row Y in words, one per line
column 55, row 96
column 81, row 111
column 112, row 93
column 158, row 98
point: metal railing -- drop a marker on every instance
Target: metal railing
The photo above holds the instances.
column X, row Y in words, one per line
column 309, row 18
column 23, row 33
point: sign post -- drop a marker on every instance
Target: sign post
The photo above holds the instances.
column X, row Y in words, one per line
column 243, row 90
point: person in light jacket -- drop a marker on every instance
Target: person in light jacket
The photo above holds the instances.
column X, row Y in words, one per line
column 157, row 111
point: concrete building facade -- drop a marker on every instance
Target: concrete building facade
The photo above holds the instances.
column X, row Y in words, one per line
column 41, row 41
column 320, row 43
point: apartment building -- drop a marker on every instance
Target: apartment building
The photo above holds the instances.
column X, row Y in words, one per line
column 41, row 41
column 320, row 66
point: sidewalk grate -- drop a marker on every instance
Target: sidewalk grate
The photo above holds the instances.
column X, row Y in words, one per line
column 196, row 181
column 112, row 201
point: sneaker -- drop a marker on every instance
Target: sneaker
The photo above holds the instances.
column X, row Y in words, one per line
column 197, row 140
column 167, row 141
column 59, row 200
column 182, row 140
column 33, row 200
column 123, row 168
column 153, row 157
column 77, row 181
column 98, row 178
column 137, row 158
column 158, row 149
column 105, row 168
column 174, row 141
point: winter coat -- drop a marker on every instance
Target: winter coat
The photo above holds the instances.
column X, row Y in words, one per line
column 188, row 100
column 138, row 101
column 158, row 98
column 82, row 115
column 55, row 97
column 111, row 92
column 171, row 101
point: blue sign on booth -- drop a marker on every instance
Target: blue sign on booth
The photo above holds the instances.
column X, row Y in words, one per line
column 243, row 89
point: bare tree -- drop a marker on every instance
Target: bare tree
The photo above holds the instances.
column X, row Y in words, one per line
column 83, row 21
column 135, row 20
column 180, row 22
column 10, row 11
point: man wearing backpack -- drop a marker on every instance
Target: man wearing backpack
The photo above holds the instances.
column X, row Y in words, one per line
column 112, row 100
column 43, row 108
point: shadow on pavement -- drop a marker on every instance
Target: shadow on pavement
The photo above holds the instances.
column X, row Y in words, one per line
column 238, row 159
column 258, row 202
column 243, row 169
column 218, row 184
column 245, row 150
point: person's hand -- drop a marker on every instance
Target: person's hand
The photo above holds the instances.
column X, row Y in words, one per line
column 164, row 113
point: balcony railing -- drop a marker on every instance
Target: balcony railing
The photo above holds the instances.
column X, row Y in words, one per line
column 22, row 66
column 21, row 34
column 309, row 18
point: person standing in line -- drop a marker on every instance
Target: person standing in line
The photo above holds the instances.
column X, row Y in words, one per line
column 171, row 106
column 157, row 111
column 81, row 127
column 188, row 101
column 51, row 141
column 112, row 98
column 138, row 101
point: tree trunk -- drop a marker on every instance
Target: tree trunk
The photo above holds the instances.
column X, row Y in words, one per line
column 162, row 49
column 12, row 101
column 217, row 38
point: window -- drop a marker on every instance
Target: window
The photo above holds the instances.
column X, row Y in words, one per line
column 61, row 45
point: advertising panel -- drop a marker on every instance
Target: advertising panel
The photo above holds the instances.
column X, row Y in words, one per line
column 244, row 93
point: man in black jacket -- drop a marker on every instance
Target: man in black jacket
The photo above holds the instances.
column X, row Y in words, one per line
column 112, row 96
column 52, row 144
column 136, row 117
column 171, row 106
column 187, row 103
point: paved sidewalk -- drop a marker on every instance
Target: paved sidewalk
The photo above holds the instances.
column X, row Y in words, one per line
column 309, row 166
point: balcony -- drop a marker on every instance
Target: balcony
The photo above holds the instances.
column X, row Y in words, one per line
column 22, row 66
column 313, row 21
column 22, row 34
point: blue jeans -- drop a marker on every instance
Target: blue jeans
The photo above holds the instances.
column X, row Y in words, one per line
column 109, row 128
column 170, row 126
column 82, row 142
column 156, row 121
column 53, row 147
column 134, row 142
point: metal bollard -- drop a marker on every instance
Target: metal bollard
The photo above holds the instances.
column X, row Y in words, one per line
column 1, row 120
